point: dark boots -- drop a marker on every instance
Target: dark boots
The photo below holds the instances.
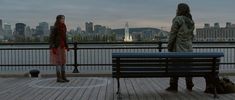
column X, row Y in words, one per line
column 174, row 84
column 60, row 73
column 59, row 78
column 189, row 83
column 172, row 88
column 64, row 77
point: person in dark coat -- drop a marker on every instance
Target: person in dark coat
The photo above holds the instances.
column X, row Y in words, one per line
column 59, row 47
column 180, row 40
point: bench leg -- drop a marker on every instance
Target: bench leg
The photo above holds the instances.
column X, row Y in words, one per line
column 118, row 86
column 215, row 93
column 214, row 83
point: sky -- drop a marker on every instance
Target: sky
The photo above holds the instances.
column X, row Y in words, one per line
column 114, row 13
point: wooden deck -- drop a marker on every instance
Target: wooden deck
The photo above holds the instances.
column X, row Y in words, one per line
column 101, row 88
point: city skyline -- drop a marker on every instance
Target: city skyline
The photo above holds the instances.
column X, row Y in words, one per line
column 113, row 13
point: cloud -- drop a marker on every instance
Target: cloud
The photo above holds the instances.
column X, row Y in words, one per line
column 113, row 13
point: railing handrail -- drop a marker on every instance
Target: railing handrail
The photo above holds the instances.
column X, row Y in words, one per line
column 160, row 46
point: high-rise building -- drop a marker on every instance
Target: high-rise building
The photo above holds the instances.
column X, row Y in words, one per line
column 20, row 29
column 51, row 29
column 228, row 24
column 216, row 25
column 100, row 29
column 7, row 30
column 1, row 30
column 216, row 33
column 89, row 27
column 207, row 25
column 79, row 29
column 43, row 29
column 28, row 32
column 97, row 28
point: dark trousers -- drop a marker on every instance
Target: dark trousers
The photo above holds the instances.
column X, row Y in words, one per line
column 174, row 81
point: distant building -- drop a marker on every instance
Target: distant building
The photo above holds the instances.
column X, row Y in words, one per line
column 7, row 31
column 100, row 29
column 216, row 33
column 28, row 32
column 233, row 25
column 51, row 28
column 79, row 29
column 43, row 29
column 89, row 27
column 1, row 29
column 97, row 28
column 216, row 25
column 20, row 29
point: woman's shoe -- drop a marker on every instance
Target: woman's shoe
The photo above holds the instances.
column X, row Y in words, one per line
column 63, row 76
column 60, row 80
column 66, row 80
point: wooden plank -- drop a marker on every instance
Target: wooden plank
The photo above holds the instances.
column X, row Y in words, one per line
column 179, row 94
column 65, row 91
column 17, row 92
column 11, row 87
column 7, row 83
column 162, row 86
column 134, row 89
column 138, row 90
column 149, row 86
column 3, row 80
column 86, row 94
column 130, row 89
column 79, row 94
column 73, row 92
column 35, row 91
column 95, row 91
column 149, row 94
column 157, row 89
column 115, row 96
column 123, row 90
column 183, row 89
column 28, row 92
column 44, row 92
column 103, row 90
column 56, row 92
column 110, row 90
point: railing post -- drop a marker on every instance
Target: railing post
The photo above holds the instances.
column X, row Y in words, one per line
column 75, row 58
column 160, row 46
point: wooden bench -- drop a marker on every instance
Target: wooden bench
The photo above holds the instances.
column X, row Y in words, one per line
column 170, row 64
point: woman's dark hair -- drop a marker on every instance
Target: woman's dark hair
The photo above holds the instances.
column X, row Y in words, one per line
column 184, row 10
column 58, row 18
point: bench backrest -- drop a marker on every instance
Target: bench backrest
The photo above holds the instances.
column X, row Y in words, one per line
column 165, row 64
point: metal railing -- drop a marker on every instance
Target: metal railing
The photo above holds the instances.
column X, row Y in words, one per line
column 94, row 57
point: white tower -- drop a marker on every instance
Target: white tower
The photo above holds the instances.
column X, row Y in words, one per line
column 128, row 37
